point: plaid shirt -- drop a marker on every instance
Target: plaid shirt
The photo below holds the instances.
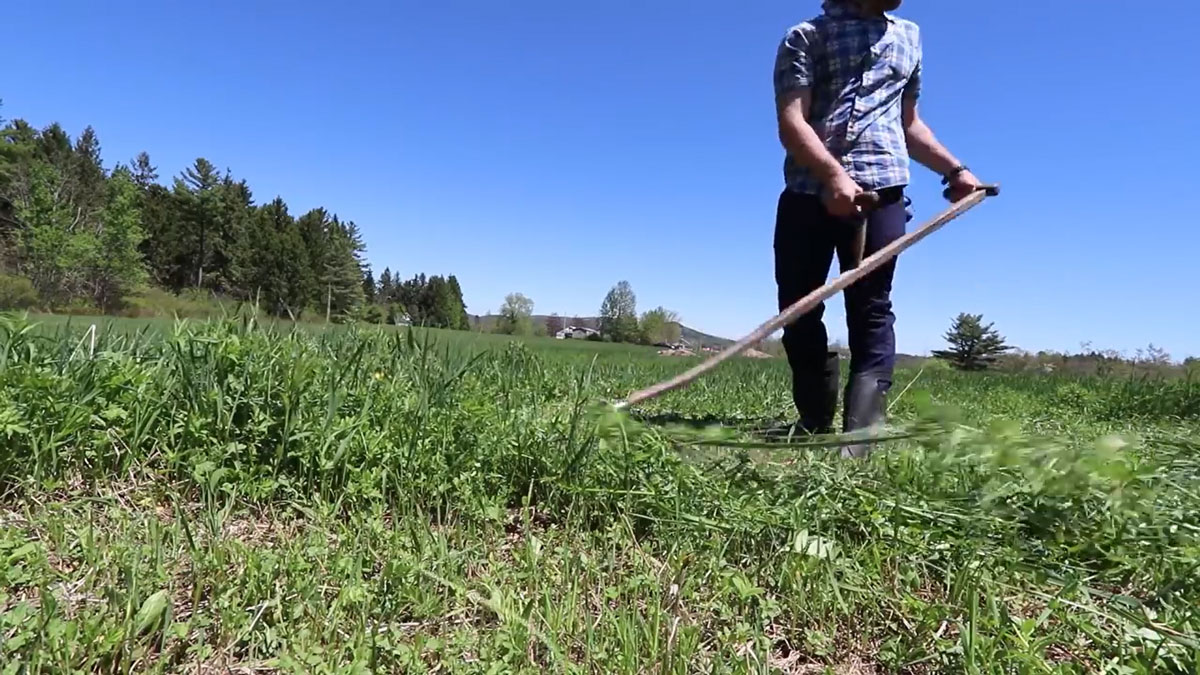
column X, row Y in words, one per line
column 857, row 69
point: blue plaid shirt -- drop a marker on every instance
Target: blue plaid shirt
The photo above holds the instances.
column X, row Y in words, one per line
column 857, row 69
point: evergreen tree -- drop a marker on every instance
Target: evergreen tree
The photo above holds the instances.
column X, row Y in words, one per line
column 341, row 273
column 387, row 286
column 54, row 148
column 163, row 247
column 435, row 306
column 290, row 269
column 144, row 173
column 198, row 212
column 369, row 288
column 235, row 204
column 260, row 274
column 973, row 345
column 312, row 228
column 457, row 307
column 87, row 176
column 412, row 296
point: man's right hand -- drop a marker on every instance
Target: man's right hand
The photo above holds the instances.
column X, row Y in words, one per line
column 839, row 196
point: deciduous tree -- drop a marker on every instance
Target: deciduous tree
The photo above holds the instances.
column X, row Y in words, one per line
column 618, row 314
column 515, row 315
column 659, row 326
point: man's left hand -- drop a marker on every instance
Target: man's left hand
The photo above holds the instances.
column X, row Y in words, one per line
column 962, row 185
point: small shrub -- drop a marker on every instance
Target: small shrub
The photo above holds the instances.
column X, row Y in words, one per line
column 374, row 314
column 190, row 304
column 17, row 293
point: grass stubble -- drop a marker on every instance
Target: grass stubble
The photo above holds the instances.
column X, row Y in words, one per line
column 229, row 497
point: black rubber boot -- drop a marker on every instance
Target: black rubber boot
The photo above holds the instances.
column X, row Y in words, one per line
column 864, row 410
column 817, row 401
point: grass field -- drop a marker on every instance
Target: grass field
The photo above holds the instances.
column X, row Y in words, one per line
column 225, row 497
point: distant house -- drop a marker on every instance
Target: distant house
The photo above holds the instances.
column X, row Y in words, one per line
column 576, row 333
column 682, row 345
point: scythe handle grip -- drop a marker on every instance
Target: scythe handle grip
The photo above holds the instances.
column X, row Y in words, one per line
column 990, row 189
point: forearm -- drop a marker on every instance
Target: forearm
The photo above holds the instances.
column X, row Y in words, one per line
column 924, row 148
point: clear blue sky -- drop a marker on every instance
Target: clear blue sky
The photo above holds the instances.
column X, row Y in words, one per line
column 554, row 148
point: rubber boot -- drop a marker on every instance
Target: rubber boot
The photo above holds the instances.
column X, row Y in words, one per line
column 822, row 400
column 816, row 400
column 864, row 410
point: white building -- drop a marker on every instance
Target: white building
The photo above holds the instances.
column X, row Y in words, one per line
column 576, row 333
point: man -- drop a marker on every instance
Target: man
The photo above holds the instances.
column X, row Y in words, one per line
column 846, row 89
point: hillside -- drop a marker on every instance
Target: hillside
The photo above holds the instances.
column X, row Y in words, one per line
column 695, row 337
column 702, row 339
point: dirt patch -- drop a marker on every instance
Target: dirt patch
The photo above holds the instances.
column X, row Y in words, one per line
column 676, row 352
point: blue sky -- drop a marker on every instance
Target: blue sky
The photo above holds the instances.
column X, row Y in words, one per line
column 554, row 148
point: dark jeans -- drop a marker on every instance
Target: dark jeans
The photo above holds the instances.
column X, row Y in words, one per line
column 806, row 237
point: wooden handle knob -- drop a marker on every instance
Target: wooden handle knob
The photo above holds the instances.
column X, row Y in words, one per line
column 991, row 190
column 867, row 200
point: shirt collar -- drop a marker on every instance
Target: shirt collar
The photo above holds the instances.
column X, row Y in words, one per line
column 839, row 10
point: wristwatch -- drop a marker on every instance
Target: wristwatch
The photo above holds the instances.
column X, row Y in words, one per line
column 953, row 172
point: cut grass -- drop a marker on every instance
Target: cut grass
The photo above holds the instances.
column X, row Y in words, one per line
column 233, row 496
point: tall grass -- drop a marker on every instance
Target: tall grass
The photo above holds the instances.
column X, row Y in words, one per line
column 262, row 496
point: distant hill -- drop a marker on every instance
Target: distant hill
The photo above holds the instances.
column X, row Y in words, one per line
column 696, row 338
column 702, row 339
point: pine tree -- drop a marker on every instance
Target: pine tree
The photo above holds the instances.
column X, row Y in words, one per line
column 235, row 204
column 87, row 177
column 198, row 211
column 387, row 286
column 412, row 295
column 145, row 174
column 290, row 269
column 973, row 345
column 434, row 305
column 54, row 148
column 458, row 306
column 163, row 247
column 259, row 273
column 312, row 228
column 341, row 273
column 369, row 288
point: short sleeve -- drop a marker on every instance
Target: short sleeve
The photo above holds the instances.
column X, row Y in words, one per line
column 794, row 61
column 912, row 88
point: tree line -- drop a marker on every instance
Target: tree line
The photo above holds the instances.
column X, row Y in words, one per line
column 74, row 234
column 618, row 319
